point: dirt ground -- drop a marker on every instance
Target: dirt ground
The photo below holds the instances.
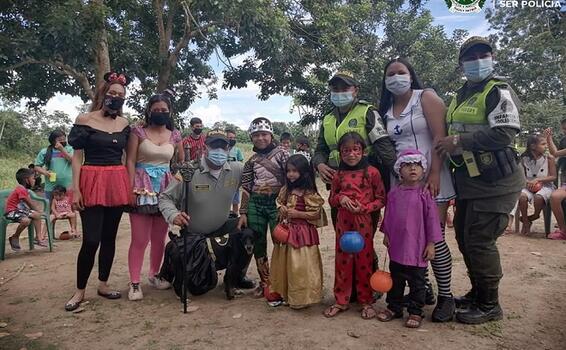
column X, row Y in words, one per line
column 31, row 306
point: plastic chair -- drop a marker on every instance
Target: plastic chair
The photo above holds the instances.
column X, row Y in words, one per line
column 546, row 215
column 4, row 222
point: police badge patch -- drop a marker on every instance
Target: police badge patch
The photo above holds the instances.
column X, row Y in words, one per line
column 486, row 158
column 353, row 123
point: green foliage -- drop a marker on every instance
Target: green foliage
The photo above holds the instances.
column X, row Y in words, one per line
column 46, row 46
column 360, row 36
column 531, row 51
column 26, row 133
column 537, row 116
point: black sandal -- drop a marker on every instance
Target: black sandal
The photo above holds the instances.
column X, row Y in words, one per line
column 111, row 295
column 72, row 306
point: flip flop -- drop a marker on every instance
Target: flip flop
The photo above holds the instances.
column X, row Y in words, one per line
column 335, row 310
column 368, row 312
column 387, row 315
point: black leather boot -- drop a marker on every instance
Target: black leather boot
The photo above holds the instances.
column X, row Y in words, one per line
column 465, row 301
column 444, row 310
column 486, row 308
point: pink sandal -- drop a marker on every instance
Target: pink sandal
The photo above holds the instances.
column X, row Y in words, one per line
column 557, row 235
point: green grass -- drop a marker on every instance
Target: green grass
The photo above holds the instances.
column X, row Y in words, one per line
column 9, row 164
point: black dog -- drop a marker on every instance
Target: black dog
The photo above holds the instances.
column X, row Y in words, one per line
column 233, row 254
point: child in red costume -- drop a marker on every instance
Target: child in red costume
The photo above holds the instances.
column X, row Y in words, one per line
column 357, row 191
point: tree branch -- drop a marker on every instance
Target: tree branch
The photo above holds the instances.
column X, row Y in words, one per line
column 186, row 35
column 163, row 43
column 60, row 67
column 170, row 18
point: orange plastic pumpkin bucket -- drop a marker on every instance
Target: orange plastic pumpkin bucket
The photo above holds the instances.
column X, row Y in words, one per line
column 281, row 233
column 381, row 281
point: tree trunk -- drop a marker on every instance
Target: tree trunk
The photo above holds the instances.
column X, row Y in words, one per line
column 164, row 75
column 102, row 55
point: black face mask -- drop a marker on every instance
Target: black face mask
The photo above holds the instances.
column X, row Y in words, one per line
column 159, row 118
column 197, row 131
column 113, row 103
column 64, row 143
column 231, row 143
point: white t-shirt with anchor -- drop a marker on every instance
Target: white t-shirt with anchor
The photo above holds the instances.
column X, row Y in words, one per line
column 410, row 130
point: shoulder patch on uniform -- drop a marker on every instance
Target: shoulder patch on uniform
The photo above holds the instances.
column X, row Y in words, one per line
column 352, row 123
column 506, row 113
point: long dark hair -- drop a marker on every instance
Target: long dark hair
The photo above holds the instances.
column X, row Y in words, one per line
column 306, row 181
column 532, row 140
column 386, row 99
column 55, row 134
column 153, row 100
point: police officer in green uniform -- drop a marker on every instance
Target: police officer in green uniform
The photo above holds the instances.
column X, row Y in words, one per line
column 482, row 120
column 351, row 114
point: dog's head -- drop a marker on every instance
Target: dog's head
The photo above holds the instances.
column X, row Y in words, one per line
column 248, row 241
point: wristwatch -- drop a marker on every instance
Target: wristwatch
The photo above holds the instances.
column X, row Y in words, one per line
column 455, row 140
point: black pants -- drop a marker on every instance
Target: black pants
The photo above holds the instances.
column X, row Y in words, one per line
column 100, row 226
column 415, row 277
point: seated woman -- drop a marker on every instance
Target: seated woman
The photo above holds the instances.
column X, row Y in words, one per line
column 558, row 195
column 540, row 171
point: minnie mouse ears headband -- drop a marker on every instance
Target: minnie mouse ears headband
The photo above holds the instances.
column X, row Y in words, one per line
column 113, row 77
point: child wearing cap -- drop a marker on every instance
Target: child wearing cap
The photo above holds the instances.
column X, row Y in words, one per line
column 262, row 178
column 409, row 238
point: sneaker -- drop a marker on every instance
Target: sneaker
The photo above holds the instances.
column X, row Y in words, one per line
column 159, row 283
column 14, row 244
column 557, row 235
column 135, row 292
column 275, row 303
column 41, row 243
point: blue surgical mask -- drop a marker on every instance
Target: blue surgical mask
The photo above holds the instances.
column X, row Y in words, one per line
column 217, row 156
column 341, row 99
column 398, row 84
column 477, row 70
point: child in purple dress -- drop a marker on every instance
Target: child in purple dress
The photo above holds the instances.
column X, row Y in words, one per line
column 409, row 238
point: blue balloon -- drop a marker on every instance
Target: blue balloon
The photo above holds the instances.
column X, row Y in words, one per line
column 351, row 242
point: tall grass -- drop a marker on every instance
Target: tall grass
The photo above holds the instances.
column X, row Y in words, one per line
column 9, row 164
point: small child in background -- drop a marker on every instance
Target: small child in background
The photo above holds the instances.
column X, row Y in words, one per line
column 357, row 191
column 20, row 208
column 410, row 238
column 296, row 266
column 235, row 155
column 303, row 147
column 61, row 209
column 540, row 171
column 285, row 141
column 38, row 186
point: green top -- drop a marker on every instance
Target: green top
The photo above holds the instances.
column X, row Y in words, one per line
column 59, row 165
column 235, row 155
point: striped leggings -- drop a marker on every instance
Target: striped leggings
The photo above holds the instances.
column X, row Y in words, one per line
column 442, row 267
